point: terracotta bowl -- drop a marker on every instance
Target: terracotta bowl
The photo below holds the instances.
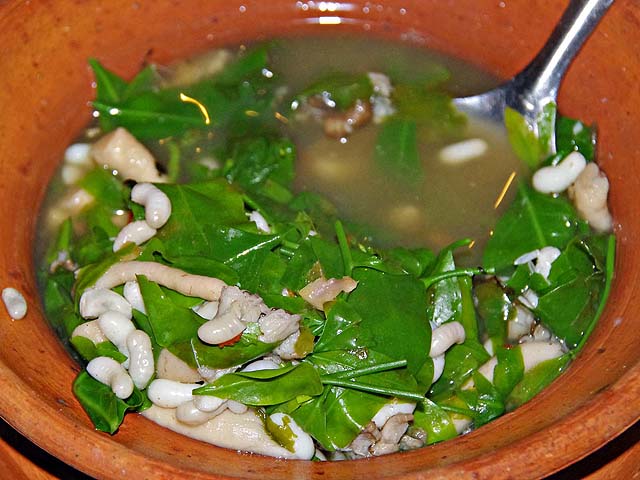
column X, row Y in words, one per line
column 44, row 89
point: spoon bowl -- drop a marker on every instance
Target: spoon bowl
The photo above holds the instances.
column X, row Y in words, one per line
column 529, row 91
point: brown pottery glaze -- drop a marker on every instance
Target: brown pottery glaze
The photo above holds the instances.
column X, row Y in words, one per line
column 44, row 89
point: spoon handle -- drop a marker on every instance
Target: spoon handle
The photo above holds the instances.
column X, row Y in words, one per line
column 541, row 78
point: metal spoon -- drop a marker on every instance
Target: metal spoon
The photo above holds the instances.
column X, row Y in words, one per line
column 537, row 85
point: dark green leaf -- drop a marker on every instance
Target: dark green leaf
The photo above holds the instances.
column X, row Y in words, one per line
column 445, row 297
column 460, row 363
column 171, row 323
column 509, row 370
column 266, row 387
column 103, row 407
column 393, row 321
column 495, row 309
column 109, row 86
column 535, row 380
column 573, row 135
column 522, row 137
column 396, row 150
column 533, row 221
column 434, row 421
column 343, row 89
column 341, row 330
column 546, row 124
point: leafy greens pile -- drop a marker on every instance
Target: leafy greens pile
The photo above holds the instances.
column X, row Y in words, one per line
column 367, row 346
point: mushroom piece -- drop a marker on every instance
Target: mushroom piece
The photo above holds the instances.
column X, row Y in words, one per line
column 121, row 151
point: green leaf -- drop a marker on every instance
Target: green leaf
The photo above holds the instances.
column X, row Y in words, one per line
column 485, row 402
column 434, row 421
column 88, row 350
column 393, row 321
column 342, row 328
column 396, row 150
column 468, row 313
column 336, row 417
column 198, row 209
column 522, row 138
column 535, row 380
column 411, row 261
column 103, row 407
column 353, row 364
column 109, row 86
column 171, row 323
column 198, row 354
column 445, row 296
column 546, row 124
column 509, row 370
column 433, row 111
column 534, row 220
column 341, row 88
column 573, row 135
column 572, row 301
column 495, row 309
column 460, row 363
column 266, row 387
column 106, row 188
column 150, row 118
column 254, row 161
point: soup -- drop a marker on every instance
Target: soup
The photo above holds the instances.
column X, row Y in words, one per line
column 290, row 265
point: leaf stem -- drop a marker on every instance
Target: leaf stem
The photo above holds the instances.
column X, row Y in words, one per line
column 462, row 272
column 389, row 392
column 460, row 411
column 344, row 248
column 381, row 367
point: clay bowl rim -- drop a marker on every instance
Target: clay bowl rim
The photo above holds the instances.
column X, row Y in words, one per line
column 618, row 398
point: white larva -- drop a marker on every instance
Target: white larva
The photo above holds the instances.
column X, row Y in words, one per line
column 390, row 409
column 208, row 403
column 141, row 363
column 189, row 414
column 557, row 178
column 106, row 370
column 221, row 329
column 260, row 221
column 117, row 327
column 207, row 288
column 438, row 367
column 206, row 310
column 78, row 154
column 15, row 303
column 462, row 152
column 90, row 330
column 157, row 206
column 170, row 394
column 443, row 337
column 136, row 232
column 133, row 295
column 546, row 257
column 263, row 364
column 96, row 301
